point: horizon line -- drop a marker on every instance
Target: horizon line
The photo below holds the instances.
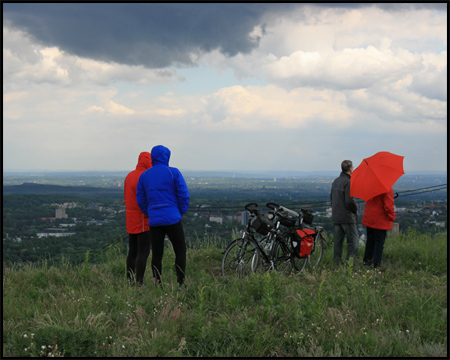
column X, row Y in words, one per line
column 190, row 170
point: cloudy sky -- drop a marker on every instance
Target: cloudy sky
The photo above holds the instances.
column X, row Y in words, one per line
column 238, row 86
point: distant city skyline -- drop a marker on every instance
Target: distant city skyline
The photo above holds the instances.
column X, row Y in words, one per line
column 225, row 86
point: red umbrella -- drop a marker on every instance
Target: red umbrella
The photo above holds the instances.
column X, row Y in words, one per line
column 376, row 175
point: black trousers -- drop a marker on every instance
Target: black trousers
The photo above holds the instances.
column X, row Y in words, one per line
column 374, row 246
column 175, row 233
column 139, row 246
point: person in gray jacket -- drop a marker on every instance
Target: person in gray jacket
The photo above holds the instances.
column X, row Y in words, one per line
column 344, row 214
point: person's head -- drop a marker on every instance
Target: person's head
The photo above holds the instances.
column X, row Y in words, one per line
column 347, row 166
column 145, row 160
column 160, row 155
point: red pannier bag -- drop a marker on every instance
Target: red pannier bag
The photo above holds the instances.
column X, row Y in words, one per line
column 302, row 242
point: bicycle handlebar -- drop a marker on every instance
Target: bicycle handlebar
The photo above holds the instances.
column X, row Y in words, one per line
column 272, row 205
column 251, row 210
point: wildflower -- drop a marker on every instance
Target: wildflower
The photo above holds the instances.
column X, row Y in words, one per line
column 123, row 346
column 43, row 347
column 25, row 336
column 407, row 331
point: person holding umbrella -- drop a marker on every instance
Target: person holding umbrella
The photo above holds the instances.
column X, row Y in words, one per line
column 372, row 182
column 379, row 215
column 344, row 214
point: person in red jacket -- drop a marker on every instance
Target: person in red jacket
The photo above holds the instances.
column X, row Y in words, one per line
column 139, row 241
column 379, row 216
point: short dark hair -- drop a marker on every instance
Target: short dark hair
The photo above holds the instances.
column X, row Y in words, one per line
column 346, row 165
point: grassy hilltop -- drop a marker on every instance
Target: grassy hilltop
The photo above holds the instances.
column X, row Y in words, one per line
column 90, row 311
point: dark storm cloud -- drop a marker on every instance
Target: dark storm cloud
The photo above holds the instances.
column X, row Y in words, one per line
column 154, row 35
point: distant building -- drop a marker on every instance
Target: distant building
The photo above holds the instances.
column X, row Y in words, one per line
column 395, row 228
column 67, row 225
column 60, row 213
column 98, row 222
column 216, row 219
column 54, row 234
column 70, row 205
column 245, row 217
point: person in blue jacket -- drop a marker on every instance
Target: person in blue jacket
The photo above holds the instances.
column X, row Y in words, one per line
column 163, row 196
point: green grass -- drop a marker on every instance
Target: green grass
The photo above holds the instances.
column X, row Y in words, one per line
column 327, row 311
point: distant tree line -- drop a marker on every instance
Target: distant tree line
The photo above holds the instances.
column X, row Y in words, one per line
column 23, row 213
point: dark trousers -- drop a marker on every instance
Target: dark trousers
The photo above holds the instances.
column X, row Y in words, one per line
column 139, row 246
column 175, row 233
column 374, row 246
column 340, row 231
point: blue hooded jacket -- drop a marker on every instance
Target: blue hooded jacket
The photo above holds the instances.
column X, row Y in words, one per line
column 162, row 193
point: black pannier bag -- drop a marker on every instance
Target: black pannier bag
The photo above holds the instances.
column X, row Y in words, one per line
column 261, row 224
column 308, row 217
column 287, row 219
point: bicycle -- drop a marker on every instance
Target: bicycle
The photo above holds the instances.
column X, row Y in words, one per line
column 282, row 255
column 275, row 251
column 241, row 255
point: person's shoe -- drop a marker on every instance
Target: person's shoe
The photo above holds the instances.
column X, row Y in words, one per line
column 378, row 267
column 183, row 287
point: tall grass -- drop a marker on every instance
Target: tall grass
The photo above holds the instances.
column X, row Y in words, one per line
column 80, row 311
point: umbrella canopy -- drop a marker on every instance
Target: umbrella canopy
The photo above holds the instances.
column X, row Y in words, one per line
column 376, row 175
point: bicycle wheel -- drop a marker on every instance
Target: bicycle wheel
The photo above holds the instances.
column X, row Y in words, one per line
column 240, row 257
column 297, row 264
column 317, row 251
column 283, row 258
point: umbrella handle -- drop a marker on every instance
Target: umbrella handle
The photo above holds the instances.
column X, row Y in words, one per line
column 396, row 195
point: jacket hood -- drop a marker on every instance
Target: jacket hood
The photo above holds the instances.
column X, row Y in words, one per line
column 160, row 155
column 144, row 161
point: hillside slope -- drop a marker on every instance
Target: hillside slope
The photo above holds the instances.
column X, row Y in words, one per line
column 350, row 311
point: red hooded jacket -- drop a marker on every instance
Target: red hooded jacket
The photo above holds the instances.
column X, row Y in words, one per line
column 137, row 222
column 379, row 212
